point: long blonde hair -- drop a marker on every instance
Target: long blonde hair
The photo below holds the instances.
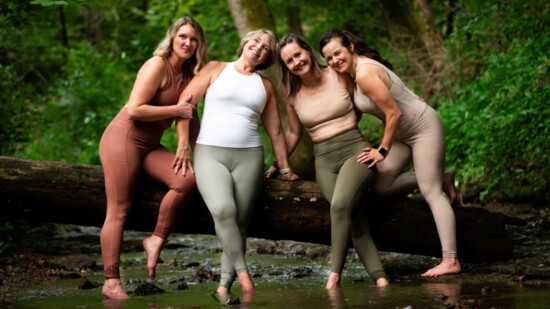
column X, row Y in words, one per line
column 165, row 48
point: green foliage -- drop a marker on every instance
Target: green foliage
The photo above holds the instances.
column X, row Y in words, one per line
column 80, row 105
column 498, row 121
column 59, row 94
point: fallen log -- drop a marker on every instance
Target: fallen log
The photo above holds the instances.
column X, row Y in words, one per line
column 74, row 194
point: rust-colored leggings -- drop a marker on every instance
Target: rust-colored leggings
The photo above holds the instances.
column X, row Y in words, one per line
column 125, row 151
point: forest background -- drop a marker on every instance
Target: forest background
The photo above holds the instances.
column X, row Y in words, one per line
column 67, row 67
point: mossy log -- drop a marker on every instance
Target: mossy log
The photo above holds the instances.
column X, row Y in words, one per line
column 74, row 194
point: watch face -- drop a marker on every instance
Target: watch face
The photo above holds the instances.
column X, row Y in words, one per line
column 383, row 151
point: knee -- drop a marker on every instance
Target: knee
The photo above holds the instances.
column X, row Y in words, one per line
column 182, row 185
column 338, row 210
column 381, row 189
column 222, row 213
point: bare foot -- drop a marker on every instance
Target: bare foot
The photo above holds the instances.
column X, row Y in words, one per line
column 333, row 281
column 225, row 298
column 446, row 267
column 382, row 282
column 449, row 188
column 152, row 246
column 112, row 288
column 246, row 283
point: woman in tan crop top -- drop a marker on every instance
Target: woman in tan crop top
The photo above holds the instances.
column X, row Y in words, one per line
column 318, row 99
column 413, row 133
column 131, row 145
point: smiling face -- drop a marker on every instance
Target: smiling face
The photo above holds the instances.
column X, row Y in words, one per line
column 185, row 42
column 258, row 48
column 339, row 57
column 296, row 59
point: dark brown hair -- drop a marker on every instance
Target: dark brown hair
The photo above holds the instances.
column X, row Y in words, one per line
column 361, row 48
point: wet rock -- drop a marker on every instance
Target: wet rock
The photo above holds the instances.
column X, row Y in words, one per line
column 182, row 286
column 68, row 275
column 487, row 290
column 205, row 274
column 77, row 262
column 86, row 284
column 301, row 272
column 148, row 289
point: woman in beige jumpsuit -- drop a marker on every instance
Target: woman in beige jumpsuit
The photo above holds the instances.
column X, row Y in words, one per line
column 413, row 130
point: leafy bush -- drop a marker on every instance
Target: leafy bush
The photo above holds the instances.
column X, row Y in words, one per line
column 498, row 121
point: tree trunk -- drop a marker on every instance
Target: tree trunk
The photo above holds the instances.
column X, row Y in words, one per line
column 250, row 15
column 74, row 194
column 412, row 27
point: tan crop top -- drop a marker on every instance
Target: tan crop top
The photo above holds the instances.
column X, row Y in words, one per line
column 327, row 113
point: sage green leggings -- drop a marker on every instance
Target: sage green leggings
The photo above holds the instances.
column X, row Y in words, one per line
column 343, row 182
column 230, row 180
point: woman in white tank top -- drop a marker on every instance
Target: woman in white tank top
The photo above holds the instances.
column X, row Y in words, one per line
column 413, row 131
column 229, row 153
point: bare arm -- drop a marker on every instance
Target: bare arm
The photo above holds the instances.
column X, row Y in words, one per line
column 370, row 80
column 149, row 79
column 199, row 84
column 272, row 124
column 187, row 129
column 182, row 161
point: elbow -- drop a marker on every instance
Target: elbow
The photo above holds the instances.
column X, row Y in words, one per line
column 396, row 115
column 132, row 112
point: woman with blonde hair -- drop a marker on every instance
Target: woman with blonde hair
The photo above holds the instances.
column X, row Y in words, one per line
column 131, row 145
column 229, row 157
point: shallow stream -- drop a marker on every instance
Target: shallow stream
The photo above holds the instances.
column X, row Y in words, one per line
column 287, row 275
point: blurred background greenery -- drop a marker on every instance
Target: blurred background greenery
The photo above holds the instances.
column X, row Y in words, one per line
column 67, row 67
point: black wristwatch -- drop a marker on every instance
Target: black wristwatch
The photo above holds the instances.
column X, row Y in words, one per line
column 383, row 151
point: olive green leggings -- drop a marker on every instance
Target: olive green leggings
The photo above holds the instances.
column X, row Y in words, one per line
column 230, row 180
column 343, row 182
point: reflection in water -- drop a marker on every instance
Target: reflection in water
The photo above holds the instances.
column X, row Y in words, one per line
column 448, row 292
column 113, row 303
column 336, row 299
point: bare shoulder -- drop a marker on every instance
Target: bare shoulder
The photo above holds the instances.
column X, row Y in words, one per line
column 154, row 64
column 211, row 70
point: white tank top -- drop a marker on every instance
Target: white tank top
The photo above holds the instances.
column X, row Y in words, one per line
column 233, row 106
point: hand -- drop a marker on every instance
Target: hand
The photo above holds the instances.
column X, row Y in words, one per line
column 183, row 161
column 272, row 171
column 370, row 156
column 185, row 108
column 290, row 176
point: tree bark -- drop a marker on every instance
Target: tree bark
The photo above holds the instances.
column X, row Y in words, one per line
column 412, row 26
column 74, row 194
column 250, row 15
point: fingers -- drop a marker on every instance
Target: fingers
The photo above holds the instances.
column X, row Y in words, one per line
column 270, row 172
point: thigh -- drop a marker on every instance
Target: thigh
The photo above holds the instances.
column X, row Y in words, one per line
column 247, row 177
column 353, row 180
column 158, row 165
column 429, row 154
column 214, row 179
